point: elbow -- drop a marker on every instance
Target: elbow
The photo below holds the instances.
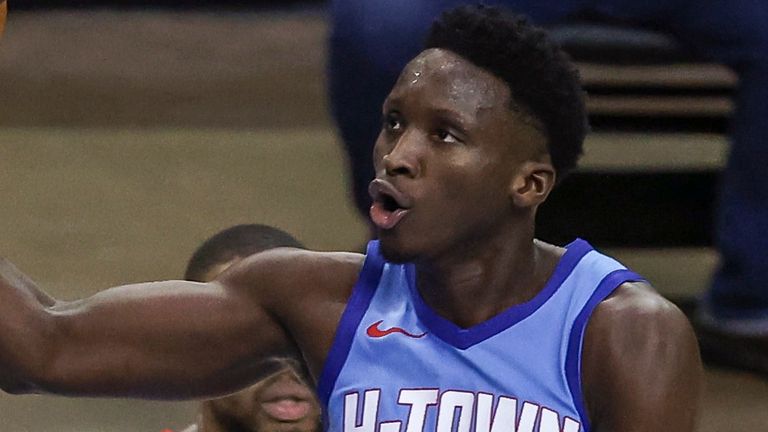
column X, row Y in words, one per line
column 32, row 354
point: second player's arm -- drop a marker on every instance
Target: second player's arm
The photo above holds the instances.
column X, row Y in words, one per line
column 170, row 340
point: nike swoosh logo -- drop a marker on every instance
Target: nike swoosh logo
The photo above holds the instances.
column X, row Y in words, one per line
column 375, row 332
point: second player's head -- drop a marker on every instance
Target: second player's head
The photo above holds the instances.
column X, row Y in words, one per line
column 282, row 402
column 233, row 244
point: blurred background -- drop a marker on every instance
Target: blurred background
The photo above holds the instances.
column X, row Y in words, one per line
column 130, row 133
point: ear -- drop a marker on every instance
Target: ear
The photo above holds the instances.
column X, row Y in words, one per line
column 532, row 183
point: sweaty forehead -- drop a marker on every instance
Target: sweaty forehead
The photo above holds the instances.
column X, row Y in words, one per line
column 448, row 76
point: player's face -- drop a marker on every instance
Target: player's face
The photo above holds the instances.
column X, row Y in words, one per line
column 449, row 148
column 279, row 403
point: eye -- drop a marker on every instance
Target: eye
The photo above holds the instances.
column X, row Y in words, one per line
column 391, row 122
column 445, row 136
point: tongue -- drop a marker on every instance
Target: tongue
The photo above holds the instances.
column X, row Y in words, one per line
column 384, row 218
column 286, row 410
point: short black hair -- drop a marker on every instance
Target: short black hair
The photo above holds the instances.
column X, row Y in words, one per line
column 543, row 82
column 236, row 241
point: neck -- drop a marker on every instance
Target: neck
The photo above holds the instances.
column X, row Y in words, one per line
column 509, row 269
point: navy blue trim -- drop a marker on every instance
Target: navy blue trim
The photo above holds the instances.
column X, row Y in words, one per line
column 357, row 305
column 573, row 356
column 464, row 338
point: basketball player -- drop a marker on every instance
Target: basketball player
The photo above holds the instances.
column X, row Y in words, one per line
column 368, row 39
column 456, row 319
column 282, row 402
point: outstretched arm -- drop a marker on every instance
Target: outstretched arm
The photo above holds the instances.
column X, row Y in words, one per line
column 641, row 366
column 165, row 339
column 170, row 339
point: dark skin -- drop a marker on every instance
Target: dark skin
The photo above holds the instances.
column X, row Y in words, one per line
column 472, row 171
column 254, row 409
column 261, row 407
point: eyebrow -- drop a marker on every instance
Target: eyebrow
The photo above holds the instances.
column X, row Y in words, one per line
column 394, row 103
column 452, row 115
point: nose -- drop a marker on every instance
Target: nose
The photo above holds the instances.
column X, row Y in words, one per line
column 404, row 158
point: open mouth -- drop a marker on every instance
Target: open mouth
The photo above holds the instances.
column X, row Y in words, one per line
column 389, row 205
column 285, row 398
column 287, row 410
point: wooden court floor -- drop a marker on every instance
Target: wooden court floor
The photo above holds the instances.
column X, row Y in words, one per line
column 123, row 146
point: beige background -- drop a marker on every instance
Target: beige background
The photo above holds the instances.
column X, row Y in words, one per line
column 128, row 138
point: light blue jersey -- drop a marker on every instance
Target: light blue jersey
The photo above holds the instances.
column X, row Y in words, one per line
column 397, row 366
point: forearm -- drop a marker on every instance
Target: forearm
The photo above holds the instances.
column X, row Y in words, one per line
column 164, row 340
column 161, row 340
column 153, row 340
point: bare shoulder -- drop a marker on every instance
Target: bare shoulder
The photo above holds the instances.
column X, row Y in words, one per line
column 636, row 324
column 640, row 363
column 635, row 308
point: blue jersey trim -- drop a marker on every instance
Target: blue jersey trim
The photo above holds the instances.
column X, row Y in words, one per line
column 464, row 338
column 573, row 356
column 358, row 302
